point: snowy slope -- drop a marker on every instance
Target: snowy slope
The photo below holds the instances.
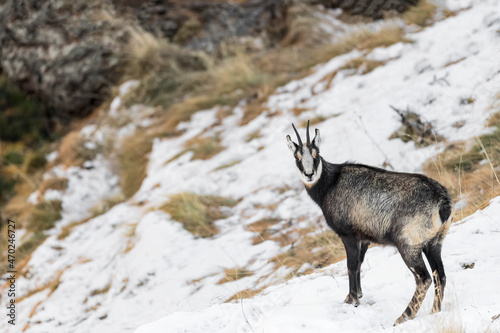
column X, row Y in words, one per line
column 134, row 264
column 314, row 303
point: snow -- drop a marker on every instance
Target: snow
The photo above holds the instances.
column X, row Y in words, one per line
column 314, row 303
column 135, row 269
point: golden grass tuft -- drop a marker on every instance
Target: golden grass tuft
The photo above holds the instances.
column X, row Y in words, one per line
column 197, row 213
column 318, row 250
column 421, row 14
column 133, row 157
column 204, row 148
column 233, row 274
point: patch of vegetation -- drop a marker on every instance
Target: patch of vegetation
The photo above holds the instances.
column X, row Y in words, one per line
column 38, row 218
column 22, row 119
column 196, row 212
column 133, row 157
column 204, row 148
column 44, row 215
column 263, row 228
column 233, row 274
column 421, row 14
column 413, row 128
column 74, row 150
column 470, row 173
column 131, row 228
column 319, row 250
column 362, row 65
column 227, row 165
column 101, row 291
column 254, row 135
column 184, row 82
column 55, row 183
column 247, row 293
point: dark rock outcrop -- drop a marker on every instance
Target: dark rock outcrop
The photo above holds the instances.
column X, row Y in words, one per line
column 67, row 54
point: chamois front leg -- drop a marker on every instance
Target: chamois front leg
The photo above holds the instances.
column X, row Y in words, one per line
column 352, row 251
column 363, row 247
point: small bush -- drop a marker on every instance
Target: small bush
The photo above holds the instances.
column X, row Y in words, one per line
column 197, row 213
column 413, row 128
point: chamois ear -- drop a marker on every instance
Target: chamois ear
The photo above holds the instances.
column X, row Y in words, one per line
column 317, row 138
column 291, row 145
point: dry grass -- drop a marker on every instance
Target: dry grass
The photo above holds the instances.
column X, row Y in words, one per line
column 73, row 152
column 196, row 212
column 247, row 293
column 184, row 82
column 450, row 324
column 101, row 291
column 51, row 285
column 233, row 274
column 227, row 165
column 204, row 148
column 131, row 229
column 44, row 215
column 470, row 174
column 318, row 250
column 421, row 14
column 55, row 183
column 362, row 65
column 254, row 135
column 263, row 228
column 133, row 157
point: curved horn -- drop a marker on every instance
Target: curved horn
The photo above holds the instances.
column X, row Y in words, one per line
column 298, row 136
column 307, row 133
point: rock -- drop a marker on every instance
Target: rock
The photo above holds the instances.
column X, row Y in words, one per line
column 66, row 54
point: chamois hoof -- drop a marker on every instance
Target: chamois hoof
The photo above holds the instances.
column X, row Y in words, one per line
column 401, row 319
column 435, row 310
column 360, row 295
column 351, row 300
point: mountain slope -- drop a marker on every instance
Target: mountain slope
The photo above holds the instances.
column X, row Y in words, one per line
column 136, row 264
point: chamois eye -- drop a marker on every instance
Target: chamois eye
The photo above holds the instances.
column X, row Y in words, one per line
column 296, row 157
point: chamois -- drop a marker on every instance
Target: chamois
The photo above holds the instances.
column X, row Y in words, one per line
column 365, row 204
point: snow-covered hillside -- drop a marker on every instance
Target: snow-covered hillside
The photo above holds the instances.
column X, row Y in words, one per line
column 134, row 268
column 314, row 303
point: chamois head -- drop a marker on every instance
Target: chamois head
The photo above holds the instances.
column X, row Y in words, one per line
column 307, row 156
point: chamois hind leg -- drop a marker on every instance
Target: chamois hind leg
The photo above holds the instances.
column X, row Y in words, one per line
column 351, row 245
column 413, row 259
column 433, row 253
column 362, row 251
